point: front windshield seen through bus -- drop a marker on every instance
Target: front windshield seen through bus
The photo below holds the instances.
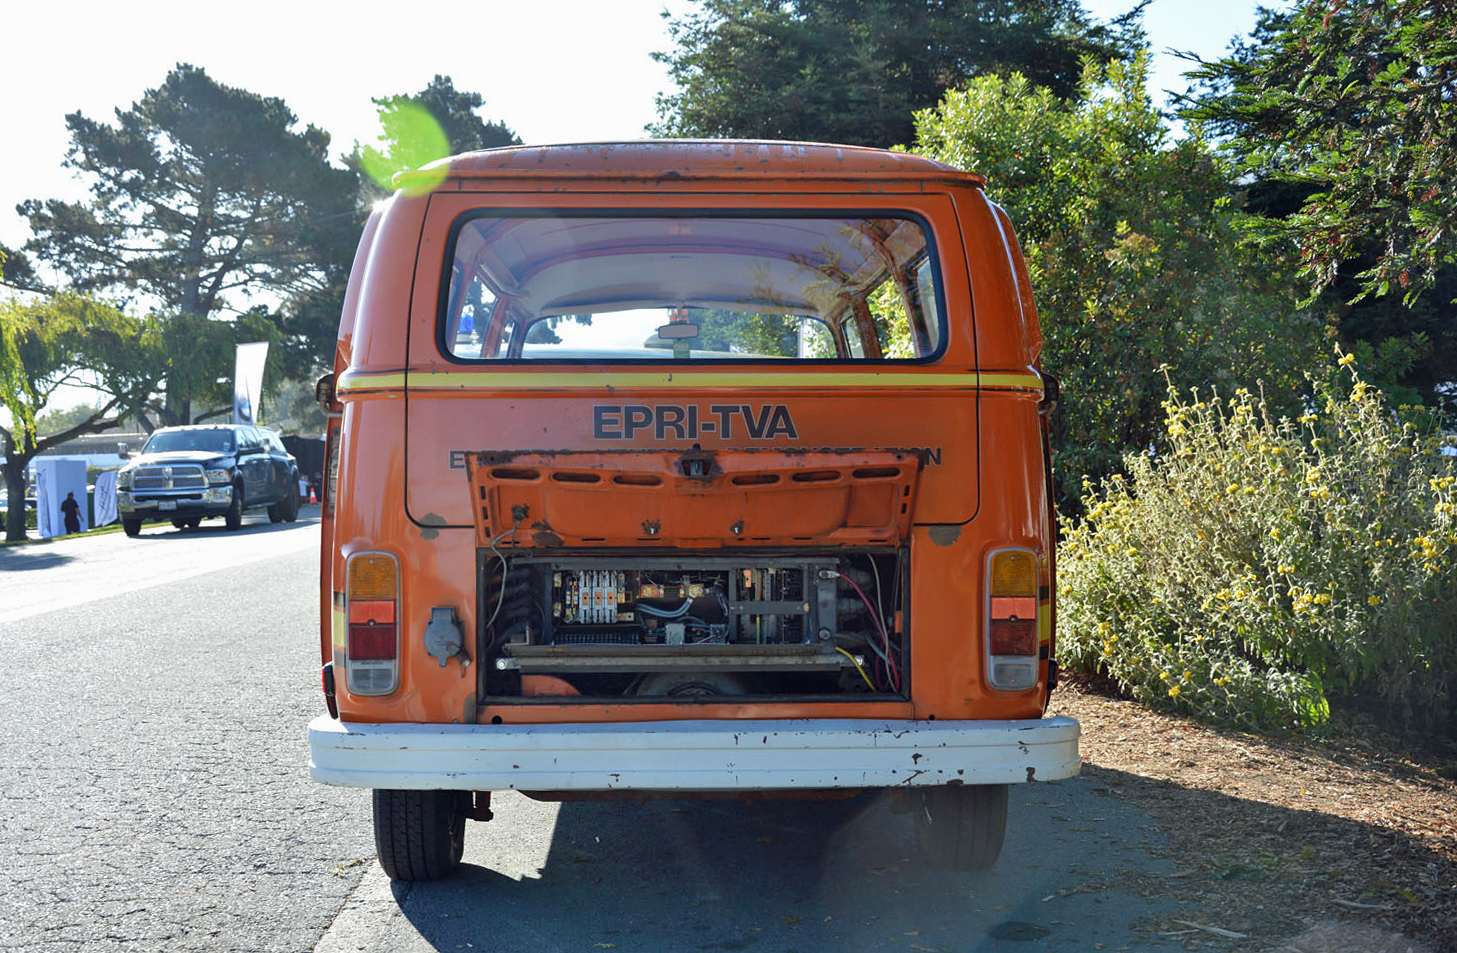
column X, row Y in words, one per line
column 200, row 441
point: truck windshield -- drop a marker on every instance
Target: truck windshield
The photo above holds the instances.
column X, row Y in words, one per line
column 690, row 287
column 202, row 441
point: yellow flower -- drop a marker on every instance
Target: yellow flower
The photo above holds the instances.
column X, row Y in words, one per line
column 1285, row 569
column 1275, row 534
column 1165, row 675
column 1347, row 360
column 1373, row 600
column 1175, row 692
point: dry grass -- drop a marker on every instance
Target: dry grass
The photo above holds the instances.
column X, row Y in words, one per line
column 1300, row 844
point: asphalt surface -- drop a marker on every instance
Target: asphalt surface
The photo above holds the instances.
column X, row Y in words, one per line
column 155, row 786
column 156, row 797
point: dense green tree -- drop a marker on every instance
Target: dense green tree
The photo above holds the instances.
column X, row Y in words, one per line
column 1344, row 120
column 1135, row 259
column 201, row 195
column 854, row 71
column 16, row 271
column 1359, row 101
column 46, row 343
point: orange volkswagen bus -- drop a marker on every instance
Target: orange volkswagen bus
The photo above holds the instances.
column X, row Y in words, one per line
column 677, row 468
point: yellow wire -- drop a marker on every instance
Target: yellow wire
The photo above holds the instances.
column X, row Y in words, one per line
column 857, row 667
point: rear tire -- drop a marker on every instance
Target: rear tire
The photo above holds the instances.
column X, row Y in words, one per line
column 179, row 523
column 290, row 514
column 960, row 827
column 419, row 835
column 132, row 527
column 275, row 512
column 233, row 518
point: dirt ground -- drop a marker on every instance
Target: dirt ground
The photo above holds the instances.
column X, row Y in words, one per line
column 1344, row 843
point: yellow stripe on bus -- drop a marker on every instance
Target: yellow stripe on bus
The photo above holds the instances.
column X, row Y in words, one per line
column 559, row 380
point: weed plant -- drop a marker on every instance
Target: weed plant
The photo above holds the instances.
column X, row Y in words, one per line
column 1256, row 568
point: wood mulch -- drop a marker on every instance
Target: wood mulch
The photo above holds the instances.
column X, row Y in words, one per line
column 1345, row 842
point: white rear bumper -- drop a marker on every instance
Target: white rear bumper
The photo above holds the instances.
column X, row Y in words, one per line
column 692, row 755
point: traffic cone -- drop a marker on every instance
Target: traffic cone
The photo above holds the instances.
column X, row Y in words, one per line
column 313, row 498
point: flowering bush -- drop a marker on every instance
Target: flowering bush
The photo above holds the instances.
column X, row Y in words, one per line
column 1256, row 568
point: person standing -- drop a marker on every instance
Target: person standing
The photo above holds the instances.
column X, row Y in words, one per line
column 72, row 511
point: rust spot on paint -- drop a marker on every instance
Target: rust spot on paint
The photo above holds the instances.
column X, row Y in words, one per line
column 944, row 535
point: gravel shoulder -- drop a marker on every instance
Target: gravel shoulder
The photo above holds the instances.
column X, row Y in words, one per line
column 1346, row 842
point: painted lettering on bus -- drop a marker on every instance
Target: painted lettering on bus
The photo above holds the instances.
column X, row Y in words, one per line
column 690, row 422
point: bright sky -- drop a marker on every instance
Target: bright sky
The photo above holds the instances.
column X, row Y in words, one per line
column 553, row 70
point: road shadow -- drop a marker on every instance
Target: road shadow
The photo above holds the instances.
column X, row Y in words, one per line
column 1085, row 863
column 30, row 559
column 725, row 875
column 255, row 522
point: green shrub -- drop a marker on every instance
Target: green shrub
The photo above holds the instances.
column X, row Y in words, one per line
column 1257, row 568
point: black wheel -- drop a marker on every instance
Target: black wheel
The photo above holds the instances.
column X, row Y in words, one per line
column 275, row 511
column 194, row 522
column 291, row 513
column 233, row 518
column 419, row 835
column 179, row 523
column 132, row 527
column 960, row 827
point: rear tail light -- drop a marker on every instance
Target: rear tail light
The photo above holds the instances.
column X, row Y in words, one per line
column 1011, row 620
column 372, row 652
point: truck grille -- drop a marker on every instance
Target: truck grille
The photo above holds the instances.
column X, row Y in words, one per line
column 184, row 477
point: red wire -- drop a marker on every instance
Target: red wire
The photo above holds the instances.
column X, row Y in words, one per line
column 895, row 678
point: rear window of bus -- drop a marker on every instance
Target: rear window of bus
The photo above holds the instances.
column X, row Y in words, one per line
column 685, row 287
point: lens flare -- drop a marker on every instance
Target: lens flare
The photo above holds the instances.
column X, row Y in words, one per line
column 410, row 138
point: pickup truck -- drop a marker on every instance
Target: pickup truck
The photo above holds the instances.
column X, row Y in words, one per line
column 189, row 473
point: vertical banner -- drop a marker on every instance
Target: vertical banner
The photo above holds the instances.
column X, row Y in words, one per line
column 104, row 499
column 43, row 521
column 248, row 381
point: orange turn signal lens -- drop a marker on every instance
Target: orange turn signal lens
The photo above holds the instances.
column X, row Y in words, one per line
column 372, row 576
column 1014, row 573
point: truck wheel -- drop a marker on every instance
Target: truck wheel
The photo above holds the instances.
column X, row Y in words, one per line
column 419, row 835
column 290, row 513
column 275, row 511
column 960, row 827
column 233, row 518
column 179, row 523
column 132, row 527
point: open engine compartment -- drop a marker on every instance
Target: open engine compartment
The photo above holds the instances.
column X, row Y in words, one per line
column 773, row 624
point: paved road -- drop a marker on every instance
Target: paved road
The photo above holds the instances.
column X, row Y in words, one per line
column 155, row 788
column 41, row 577
column 155, row 797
